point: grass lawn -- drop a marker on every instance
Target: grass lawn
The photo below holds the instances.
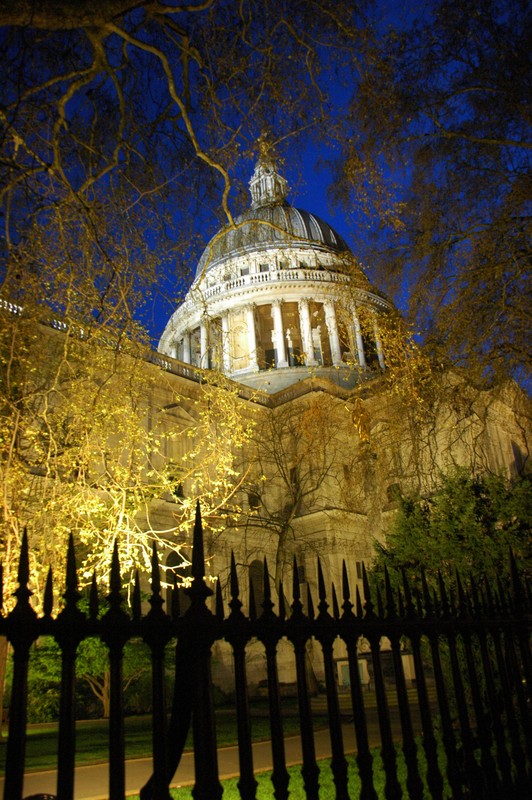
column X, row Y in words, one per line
column 92, row 736
column 327, row 787
column 92, row 747
column 297, row 792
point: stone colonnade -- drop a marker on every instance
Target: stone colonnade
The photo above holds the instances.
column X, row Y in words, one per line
column 279, row 339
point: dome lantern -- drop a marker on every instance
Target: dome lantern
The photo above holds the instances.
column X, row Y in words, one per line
column 267, row 186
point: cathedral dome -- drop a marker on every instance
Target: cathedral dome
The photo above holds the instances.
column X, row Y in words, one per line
column 277, row 225
column 278, row 297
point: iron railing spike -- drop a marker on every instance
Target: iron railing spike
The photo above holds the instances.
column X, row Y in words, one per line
column 266, row 582
column 335, row 606
column 444, row 599
column 368, row 603
column 234, row 588
column 380, row 605
column 199, row 590
column 502, row 598
column 115, row 581
column 198, row 557
column 323, row 605
column 400, row 603
column 24, row 564
column 365, row 584
column 282, row 605
column 501, row 746
column 155, row 573
column 48, row 598
column 252, row 603
column 310, row 604
column 358, row 606
column 219, row 602
column 475, row 596
column 429, row 609
column 346, row 593
column 390, row 601
column 135, row 600
column 452, row 600
column 296, row 591
column 409, row 604
column 94, row 602
column 322, row 594
column 517, row 586
column 267, row 604
column 419, row 607
column 489, row 596
column 22, row 592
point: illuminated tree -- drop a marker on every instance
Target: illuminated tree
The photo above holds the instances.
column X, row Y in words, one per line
column 85, row 451
column 303, row 454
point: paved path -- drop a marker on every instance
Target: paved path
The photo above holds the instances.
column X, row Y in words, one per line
column 91, row 781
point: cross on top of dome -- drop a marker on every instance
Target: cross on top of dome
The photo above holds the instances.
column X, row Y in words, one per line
column 267, row 186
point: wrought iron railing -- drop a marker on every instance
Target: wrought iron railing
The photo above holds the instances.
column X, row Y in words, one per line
column 472, row 654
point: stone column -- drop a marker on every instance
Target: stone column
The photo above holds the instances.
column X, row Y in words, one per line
column 378, row 343
column 204, row 343
column 252, row 337
column 277, row 316
column 226, row 344
column 306, row 333
column 358, row 338
column 332, row 328
column 186, row 347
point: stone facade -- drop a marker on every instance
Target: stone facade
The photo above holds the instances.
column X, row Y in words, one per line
column 275, row 305
column 320, row 484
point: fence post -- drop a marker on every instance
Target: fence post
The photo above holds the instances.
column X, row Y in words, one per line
column 22, row 631
column 414, row 628
column 69, row 631
column 155, row 629
column 298, row 632
column 200, row 634
column 350, row 630
column 238, row 635
column 373, row 631
column 413, row 781
column 269, row 633
column 115, row 627
column 326, row 635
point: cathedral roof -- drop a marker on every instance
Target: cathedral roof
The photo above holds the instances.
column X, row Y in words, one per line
column 271, row 222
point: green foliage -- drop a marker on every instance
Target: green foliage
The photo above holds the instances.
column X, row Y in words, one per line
column 44, row 679
column 92, row 667
column 468, row 524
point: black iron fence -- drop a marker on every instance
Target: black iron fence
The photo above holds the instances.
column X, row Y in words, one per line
column 473, row 681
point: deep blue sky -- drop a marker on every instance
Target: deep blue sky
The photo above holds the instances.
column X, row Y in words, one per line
column 308, row 176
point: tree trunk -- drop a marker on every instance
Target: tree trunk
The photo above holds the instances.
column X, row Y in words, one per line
column 106, row 694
